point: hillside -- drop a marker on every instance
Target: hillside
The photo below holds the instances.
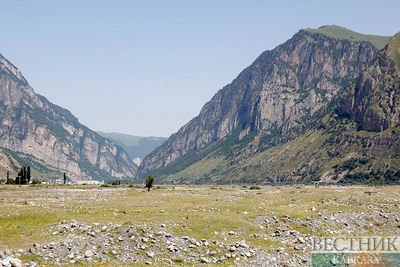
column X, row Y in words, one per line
column 32, row 125
column 135, row 146
column 278, row 92
column 354, row 139
column 12, row 161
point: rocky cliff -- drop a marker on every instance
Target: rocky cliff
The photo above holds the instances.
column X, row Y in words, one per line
column 374, row 101
column 32, row 125
column 277, row 91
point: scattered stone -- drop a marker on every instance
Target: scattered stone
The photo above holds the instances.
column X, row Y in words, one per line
column 204, row 260
column 247, row 254
column 15, row 262
column 88, row 254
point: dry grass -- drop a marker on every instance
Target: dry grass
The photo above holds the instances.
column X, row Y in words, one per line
column 192, row 211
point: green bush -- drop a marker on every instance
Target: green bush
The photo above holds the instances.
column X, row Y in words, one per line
column 10, row 181
column 255, row 187
column 35, row 181
column 116, row 182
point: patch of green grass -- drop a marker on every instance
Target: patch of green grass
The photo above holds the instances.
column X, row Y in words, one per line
column 342, row 33
column 394, row 47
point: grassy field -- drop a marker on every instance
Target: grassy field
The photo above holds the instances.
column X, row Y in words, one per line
column 208, row 212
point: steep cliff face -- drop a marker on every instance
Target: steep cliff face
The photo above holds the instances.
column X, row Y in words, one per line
column 374, row 101
column 30, row 124
column 278, row 90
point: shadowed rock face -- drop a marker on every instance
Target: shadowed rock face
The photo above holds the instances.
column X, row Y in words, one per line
column 374, row 101
column 282, row 86
column 30, row 124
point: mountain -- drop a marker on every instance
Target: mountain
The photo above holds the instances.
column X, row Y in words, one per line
column 270, row 103
column 374, row 100
column 137, row 147
column 44, row 132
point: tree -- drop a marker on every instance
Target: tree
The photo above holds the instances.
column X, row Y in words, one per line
column 150, row 181
column 22, row 176
column 18, row 179
column 8, row 175
column 65, row 178
column 28, row 174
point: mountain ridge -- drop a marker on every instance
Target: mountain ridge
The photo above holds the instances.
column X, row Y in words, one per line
column 137, row 147
column 277, row 91
column 31, row 124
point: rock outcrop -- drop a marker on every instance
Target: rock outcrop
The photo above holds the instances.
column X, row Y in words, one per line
column 278, row 90
column 374, row 101
column 31, row 124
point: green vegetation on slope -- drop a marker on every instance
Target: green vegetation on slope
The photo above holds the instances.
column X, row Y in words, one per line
column 40, row 169
column 331, row 149
column 342, row 33
column 394, row 47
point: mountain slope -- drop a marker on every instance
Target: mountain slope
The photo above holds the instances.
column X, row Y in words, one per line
column 374, row 101
column 12, row 161
column 277, row 91
column 32, row 125
column 334, row 145
column 135, row 146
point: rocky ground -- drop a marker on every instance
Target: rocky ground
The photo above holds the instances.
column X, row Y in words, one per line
column 229, row 226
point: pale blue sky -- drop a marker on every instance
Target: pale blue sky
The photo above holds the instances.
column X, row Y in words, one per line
column 147, row 67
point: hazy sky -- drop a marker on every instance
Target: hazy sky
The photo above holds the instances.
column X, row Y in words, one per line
column 147, row 67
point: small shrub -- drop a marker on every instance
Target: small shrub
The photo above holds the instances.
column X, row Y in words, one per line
column 10, row 181
column 35, row 181
column 116, row 182
column 255, row 187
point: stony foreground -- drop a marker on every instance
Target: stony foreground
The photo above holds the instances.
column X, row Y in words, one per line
column 185, row 225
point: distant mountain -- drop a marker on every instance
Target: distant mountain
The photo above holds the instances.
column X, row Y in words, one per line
column 137, row 147
column 35, row 128
column 274, row 122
